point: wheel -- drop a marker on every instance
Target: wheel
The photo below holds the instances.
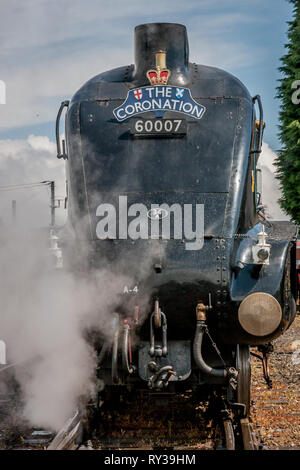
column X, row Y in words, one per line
column 243, row 366
column 224, row 438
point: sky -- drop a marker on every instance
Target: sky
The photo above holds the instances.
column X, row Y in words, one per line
column 49, row 48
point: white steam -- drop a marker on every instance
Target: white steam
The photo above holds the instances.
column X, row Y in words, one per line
column 44, row 316
column 271, row 188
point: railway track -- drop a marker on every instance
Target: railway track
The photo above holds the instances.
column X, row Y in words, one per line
column 171, row 427
column 179, row 424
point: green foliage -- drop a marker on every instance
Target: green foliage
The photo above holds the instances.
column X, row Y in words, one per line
column 288, row 161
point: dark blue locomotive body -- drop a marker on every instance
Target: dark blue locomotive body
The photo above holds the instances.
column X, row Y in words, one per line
column 209, row 162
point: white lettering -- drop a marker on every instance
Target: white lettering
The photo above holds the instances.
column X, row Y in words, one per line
column 150, row 89
column 175, row 103
column 146, row 105
column 156, row 103
column 295, row 95
column 138, row 227
column 159, row 91
column 129, row 106
column 198, row 234
column 167, row 104
column 168, row 92
column 119, row 114
column 138, row 107
column 107, row 227
column 187, row 107
column 123, row 217
column 198, row 111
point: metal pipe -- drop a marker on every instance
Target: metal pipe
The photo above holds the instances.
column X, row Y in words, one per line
column 114, row 358
column 201, row 327
column 129, row 368
column 103, row 352
column 52, row 203
column 197, row 350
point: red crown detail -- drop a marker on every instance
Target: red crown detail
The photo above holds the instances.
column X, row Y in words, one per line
column 158, row 77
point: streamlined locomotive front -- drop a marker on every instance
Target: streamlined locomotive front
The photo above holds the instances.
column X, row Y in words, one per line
column 161, row 160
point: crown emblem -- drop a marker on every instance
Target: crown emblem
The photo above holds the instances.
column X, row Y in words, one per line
column 161, row 75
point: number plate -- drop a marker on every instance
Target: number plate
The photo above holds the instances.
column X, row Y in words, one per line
column 158, row 127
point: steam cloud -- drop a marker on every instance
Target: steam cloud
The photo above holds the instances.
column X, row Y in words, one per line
column 271, row 188
column 44, row 316
column 46, row 313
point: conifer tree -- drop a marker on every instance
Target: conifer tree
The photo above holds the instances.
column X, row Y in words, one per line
column 288, row 160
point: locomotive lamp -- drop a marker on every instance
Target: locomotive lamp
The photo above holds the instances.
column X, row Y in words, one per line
column 261, row 251
column 260, row 314
column 263, row 254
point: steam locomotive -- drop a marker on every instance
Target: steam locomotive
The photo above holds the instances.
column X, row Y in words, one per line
column 163, row 188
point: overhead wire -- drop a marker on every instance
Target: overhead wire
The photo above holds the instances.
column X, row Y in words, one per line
column 17, row 187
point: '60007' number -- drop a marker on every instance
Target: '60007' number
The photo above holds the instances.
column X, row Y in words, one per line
column 158, row 127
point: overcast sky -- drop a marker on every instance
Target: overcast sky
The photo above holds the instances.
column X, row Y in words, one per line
column 49, row 48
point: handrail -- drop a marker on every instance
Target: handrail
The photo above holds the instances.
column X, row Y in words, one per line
column 261, row 122
column 59, row 153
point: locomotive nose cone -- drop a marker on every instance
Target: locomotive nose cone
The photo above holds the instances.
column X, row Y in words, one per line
column 169, row 38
